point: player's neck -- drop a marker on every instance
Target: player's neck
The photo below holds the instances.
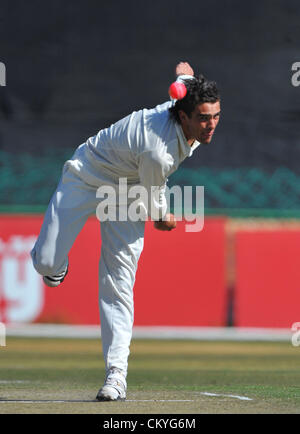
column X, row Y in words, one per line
column 190, row 140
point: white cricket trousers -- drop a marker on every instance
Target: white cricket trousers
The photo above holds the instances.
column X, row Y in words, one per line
column 122, row 243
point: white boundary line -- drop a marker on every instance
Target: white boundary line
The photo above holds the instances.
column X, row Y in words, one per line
column 59, row 401
column 242, row 398
column 66, row 401
column 194, row 333
column 160, row 400
column 14, row 381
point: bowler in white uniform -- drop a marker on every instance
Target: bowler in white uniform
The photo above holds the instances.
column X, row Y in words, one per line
column 144, row 148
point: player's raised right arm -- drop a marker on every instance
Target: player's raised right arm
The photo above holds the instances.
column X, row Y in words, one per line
column 184, row 68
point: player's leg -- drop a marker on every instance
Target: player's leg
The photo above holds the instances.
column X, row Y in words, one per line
column 68, row 210
column 122, row 244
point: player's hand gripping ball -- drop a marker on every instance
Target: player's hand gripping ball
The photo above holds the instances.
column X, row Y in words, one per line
column 177, row 90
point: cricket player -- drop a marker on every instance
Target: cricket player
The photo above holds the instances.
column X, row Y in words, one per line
column 144, row 148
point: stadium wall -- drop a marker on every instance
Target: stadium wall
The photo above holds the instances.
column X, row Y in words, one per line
column 232, row 273
column 74, row 68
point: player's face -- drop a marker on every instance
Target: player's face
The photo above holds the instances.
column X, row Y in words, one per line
column 202, row 123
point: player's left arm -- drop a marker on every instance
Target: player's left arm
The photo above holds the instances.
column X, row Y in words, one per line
column 153, row 169
column 166, row 224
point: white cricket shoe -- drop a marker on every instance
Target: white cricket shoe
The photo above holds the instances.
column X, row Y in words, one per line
column 114, row 388
column 56, row 280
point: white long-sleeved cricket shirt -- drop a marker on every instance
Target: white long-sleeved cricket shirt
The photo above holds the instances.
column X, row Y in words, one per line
column 145, row 148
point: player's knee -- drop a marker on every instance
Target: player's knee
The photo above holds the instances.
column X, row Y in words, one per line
column 42, row 264
column 44, row 269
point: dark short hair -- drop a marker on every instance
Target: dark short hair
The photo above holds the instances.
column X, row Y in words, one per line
column 199, row 91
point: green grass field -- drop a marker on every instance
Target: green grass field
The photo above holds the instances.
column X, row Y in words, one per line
column 165, row 377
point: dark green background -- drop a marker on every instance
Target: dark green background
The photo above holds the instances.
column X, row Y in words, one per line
column 76, row 67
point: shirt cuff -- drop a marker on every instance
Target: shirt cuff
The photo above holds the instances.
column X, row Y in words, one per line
column 183, row 77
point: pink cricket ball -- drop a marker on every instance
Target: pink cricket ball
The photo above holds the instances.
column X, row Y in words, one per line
column 177, row 90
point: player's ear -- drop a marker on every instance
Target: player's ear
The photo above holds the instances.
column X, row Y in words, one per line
column 182, row 116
